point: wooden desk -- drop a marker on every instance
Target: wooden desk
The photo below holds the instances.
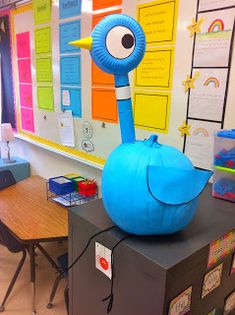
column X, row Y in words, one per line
column 33, row 219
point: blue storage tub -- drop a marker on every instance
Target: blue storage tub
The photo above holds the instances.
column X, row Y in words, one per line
column 61, row 185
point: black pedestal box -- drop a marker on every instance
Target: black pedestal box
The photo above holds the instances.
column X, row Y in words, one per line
column 160, row 275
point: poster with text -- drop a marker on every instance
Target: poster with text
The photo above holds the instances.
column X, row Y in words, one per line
column 207, row 99
column 155, row 70
column 212, row 46
column 199, row 145
column 158, row 20
column 215, row 4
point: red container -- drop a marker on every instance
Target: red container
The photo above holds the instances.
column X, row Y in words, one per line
column 87, row 188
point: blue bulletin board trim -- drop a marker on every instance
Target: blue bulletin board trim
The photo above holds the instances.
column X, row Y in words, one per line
column 69, row 8
column 69, row 31
column 70, row 70
column 75, row 101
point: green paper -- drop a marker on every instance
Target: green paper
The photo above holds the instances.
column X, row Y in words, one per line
column 42, row 11
column 44, row 70
column 46, row 98
column 225, row 169
column 43, row 40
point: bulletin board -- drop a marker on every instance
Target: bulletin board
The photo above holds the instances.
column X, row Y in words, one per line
column 65, row 103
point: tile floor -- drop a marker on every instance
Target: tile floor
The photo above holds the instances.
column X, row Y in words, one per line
column 19, row 302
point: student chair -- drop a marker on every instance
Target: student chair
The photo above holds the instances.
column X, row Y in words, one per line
column 63, row 273
column 8, row 240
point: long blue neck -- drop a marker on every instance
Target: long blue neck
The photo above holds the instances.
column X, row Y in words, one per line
column 123, row 96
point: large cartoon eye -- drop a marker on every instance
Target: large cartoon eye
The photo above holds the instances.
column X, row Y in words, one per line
column 120, row 42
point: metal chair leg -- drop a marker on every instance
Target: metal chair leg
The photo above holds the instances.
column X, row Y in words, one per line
column 2, row 307
column 53, row 292
column 66, row 298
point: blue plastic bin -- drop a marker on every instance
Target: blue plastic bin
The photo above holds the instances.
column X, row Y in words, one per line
column 61, row 185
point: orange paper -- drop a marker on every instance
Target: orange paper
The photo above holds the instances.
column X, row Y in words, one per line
column 102, row 4
column 100, row 77
column 104, row 106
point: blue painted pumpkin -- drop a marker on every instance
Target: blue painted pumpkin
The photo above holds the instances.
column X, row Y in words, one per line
column 142, row 185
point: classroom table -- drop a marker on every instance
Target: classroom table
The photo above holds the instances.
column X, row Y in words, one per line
column 33, row 219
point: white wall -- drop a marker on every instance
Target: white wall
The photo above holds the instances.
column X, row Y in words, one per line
column 48, row 164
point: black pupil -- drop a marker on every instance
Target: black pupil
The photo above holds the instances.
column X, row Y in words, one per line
column 128, row 41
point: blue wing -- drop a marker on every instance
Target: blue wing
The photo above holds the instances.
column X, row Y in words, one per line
column 173, row 186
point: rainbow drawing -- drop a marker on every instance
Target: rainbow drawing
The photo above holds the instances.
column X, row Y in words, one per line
column 216, row 26
column 200, row 131
column 212, row 80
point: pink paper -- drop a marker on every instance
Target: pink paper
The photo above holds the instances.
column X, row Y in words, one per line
column 23, row 45
column 24, row 66
column 27, row 119
column 26, row 95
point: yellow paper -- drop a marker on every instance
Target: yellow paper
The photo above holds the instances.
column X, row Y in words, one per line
column 46, row 98
column 42, row 11
column 44, row 70
column 43, row 40
column 156, row 69
column 151, row 111
column 158, row 20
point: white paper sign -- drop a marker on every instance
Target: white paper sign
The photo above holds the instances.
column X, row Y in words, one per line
column 103, row 259
column 229, row 304
column 212, row 280
column 215, row 4
column 181, row 304
column 212, row 45
column 66, row 128
column 66, row 101
column 199, row 145
column 207, row 99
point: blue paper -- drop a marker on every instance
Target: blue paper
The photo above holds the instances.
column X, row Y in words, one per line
column 69, row 8
column 70, row 72
column 69, row 32
column 75, row 101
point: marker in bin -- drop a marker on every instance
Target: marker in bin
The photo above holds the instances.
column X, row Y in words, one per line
column 87, row 187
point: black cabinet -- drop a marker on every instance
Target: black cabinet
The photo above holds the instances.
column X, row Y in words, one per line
column 159, row 275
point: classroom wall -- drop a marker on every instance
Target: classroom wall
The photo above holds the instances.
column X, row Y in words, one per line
column 48, row 164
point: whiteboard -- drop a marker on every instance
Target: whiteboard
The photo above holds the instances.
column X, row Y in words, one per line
column 106, row 134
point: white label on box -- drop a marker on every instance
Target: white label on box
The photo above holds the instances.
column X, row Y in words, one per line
column 103, row 259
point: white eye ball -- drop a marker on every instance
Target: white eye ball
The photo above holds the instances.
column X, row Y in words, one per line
column 120, row 42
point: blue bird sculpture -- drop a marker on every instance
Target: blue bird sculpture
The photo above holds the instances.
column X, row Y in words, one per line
column 147, row 188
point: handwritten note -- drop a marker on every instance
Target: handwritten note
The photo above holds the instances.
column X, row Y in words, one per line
column 43, row 40
column 70, row 70
column 155, row 70
column 42, row 11
column 158, row 21
column 44, row 69
column 212, row 280
column 207, row 98
column 68, row 33
column 199, row 145
column 215, row 4
column 66, row 128
column 71, row 100
column 23, row 45
column 69, row 8
column 212, row 45
column 26, row 95
column 181, row 304
column 27, row 119
column 46, row 98
column 24, row 67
